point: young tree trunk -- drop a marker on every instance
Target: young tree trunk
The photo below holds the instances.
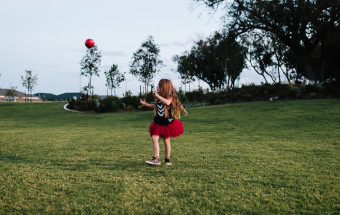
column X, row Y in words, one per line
column 278, row 66
column 90, row 86
column 228, row 79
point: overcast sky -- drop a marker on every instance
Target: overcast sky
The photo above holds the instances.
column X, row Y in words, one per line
column 47, row 37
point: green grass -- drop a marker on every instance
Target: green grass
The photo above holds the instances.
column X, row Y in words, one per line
column 249, row 158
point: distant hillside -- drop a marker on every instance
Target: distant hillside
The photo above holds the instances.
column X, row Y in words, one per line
column 51, row 97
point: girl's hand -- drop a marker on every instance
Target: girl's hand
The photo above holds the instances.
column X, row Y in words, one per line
column 142, row 101
column 155, row 94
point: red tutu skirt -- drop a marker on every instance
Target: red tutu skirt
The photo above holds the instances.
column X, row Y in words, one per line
column 174, row 129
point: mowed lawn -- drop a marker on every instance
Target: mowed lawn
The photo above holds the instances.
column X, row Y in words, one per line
column 248, row 158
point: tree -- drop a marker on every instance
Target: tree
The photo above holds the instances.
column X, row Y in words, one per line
column 11, row 92
column 90, row 65
column 113, row 77
column 284, row 61
column 260, row 55
column 145, row 62
column 310, row 28
column 29, row 81
column 231, row 56
column 218, row 60
column 269, row 57
column 205, row 65
column 86, row 90
column 184, row 68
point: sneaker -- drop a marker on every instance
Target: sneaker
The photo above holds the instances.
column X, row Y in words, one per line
column 168, row 162
column 154, row 161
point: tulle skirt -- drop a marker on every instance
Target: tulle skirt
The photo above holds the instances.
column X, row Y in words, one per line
column 174, row 129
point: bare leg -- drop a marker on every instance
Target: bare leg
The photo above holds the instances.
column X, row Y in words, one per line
column 167, row 147
column 155, row 145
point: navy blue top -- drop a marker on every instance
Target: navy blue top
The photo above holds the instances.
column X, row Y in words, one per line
column 160, row 118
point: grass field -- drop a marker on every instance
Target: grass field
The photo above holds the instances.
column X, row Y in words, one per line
column 249, row 158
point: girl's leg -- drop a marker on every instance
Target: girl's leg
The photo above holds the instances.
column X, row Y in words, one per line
column 167, row 147
column 155, row 145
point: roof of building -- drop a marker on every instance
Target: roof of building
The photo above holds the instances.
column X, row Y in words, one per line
column 17, row 93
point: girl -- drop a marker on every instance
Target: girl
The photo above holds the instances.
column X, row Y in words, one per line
column 167, row 109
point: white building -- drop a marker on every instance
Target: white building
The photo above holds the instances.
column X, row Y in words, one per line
column 18, row 96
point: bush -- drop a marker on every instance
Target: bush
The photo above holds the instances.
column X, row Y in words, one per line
column 246, row 93
column 82, row 104
column 130, row 101
column 110, row 104
column 149, row 98
column 181, row 96
column 196, row 95
column 130, row 108
column 215, row 98
column 331, row 89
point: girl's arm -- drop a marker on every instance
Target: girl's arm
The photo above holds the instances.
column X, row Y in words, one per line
column 143, row 102
column 164, row 100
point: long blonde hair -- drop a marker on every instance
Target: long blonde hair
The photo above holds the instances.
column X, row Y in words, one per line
column 167, row 91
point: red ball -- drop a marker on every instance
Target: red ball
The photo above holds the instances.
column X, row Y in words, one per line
column 89, row 43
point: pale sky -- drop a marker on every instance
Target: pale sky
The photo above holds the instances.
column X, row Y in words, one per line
column 47, row 37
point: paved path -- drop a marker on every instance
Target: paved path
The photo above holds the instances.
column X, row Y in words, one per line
column 65, row 107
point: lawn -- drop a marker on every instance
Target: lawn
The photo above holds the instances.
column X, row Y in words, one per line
column 248, row 158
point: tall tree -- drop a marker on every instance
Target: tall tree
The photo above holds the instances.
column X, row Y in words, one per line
column 11, row 92
column 260, row 55
column 218, row 60
column 205, row 64
column 114, row 77
column 145, row 62
column 29, row 81
column 90, row 65
column 269, row 57
column 184, row 68
column 310, row 28
column 230, row 55
column 283, row 61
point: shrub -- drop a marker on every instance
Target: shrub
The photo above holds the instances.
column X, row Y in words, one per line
column 200, row 97
column 130, row 108
column 195, row 96
column 132, row 101
column 82, row 104
column 181, row 96
column 149, row 98
column 215, row 98
column 331, row 89
column 110, row 104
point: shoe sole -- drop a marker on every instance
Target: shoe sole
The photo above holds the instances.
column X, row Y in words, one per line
column 152, row 163
column 168, row 164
